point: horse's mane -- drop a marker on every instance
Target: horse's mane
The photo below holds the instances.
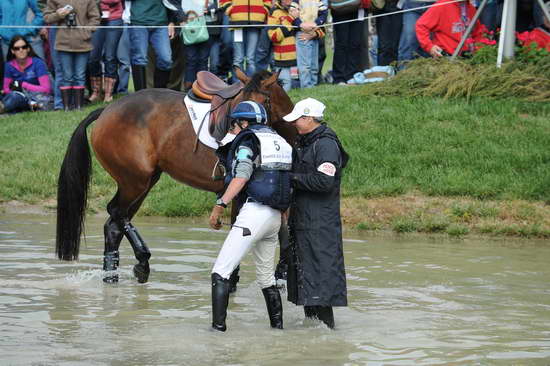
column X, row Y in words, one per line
column 255, row 82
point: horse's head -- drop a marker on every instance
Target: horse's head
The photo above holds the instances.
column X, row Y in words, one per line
column 263, row 87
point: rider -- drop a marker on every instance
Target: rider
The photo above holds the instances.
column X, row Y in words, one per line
column 258, row 165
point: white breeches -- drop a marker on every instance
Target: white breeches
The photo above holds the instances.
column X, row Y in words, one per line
column 264, row 223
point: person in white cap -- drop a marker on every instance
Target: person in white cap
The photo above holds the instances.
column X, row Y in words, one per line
column 316, row 275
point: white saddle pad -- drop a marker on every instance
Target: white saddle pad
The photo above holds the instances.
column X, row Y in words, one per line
column 199, row 112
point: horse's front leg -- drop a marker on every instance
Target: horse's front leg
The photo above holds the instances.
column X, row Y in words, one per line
column 142, row 253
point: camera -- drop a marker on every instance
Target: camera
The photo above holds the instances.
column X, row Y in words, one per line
column 70, row 20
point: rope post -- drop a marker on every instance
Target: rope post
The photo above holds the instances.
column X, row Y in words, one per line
column 507, row 32
column 469, row 29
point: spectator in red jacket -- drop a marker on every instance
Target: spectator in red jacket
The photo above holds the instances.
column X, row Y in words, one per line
column 440, row 29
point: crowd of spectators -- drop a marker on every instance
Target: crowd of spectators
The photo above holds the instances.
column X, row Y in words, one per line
column 97, row 44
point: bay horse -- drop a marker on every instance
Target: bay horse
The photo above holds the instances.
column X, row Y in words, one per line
column 136, row 139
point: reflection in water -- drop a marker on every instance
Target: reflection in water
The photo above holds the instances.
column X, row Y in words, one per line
column 426, row 302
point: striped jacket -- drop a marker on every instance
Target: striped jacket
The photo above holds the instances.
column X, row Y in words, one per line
column 282, row 35
column 246, row 11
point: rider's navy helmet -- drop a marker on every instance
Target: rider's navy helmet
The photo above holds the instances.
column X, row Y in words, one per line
column 250, row 111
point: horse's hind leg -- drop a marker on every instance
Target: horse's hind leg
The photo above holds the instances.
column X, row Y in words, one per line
column 121, row 209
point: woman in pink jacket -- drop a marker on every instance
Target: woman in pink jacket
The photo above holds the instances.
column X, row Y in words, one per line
column 26, row 79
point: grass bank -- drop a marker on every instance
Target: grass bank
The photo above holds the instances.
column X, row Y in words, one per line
column 419, row 164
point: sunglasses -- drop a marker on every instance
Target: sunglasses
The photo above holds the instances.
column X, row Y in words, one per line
column 26, row 47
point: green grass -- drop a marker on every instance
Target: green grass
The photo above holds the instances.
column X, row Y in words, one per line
column 483, row 149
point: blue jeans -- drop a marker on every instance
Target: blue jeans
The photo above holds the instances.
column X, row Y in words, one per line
column 105, row 43
column 409, row 48
column 284, row 76
column 248, row 46
column 263, row 51
column 123, row 56
column 74, row 68
column 58, row 69
column 307, row 53
column 215, row 44
column 139, row 43
column 196, row 56
column 15, row 102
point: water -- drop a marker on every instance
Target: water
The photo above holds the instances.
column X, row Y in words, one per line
column 427, row 301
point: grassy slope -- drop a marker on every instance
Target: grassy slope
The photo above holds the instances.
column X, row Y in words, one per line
column 490, row 150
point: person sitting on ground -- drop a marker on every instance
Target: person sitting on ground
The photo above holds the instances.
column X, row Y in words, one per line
column 538, row 37
column 440, row 29
column 26, row 79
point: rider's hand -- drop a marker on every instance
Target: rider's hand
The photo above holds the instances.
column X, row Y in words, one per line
column 215, row 222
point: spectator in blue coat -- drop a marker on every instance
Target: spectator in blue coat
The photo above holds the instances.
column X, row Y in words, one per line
column 14, row 12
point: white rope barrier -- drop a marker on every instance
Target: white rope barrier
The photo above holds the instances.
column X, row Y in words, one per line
column 369, row 16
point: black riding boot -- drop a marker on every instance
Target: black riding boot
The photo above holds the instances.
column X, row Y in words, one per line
column 139, row 77
column 78, row 95
column 323, row 313
column 220, row 300
column 274, row 306
column 234, row 279
column 161, row 78
column 66, row 97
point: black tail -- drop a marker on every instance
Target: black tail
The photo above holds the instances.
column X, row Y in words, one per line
column 72, row 191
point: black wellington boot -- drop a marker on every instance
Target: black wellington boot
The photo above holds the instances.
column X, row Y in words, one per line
column 161, row 78
column 220, row 300
column 139, row 77
column 67, row 98
column 78, row 95
column 274, row 306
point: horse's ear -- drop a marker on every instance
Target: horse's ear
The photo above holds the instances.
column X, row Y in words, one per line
column 241, row 75
column 273, row 78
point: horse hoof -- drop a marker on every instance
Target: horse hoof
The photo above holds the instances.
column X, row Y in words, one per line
column 141, row 272
column 111, row 279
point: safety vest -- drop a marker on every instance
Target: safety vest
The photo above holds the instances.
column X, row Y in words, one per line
column 270, row 181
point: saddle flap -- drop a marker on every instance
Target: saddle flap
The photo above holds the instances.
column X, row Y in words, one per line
column 198, row 91
column 219, row 117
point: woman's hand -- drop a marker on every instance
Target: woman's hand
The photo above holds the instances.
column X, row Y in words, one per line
column 62, row 12
column 171, row 30
column 16, row 86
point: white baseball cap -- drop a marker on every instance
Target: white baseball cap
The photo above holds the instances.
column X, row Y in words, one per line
column 306, row 107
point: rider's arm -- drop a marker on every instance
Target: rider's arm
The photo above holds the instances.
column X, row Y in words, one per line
column 243, row 169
